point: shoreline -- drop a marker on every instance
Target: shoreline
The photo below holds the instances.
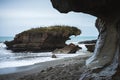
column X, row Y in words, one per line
column 37, row 68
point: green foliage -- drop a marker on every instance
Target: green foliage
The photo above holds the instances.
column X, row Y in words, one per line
column 70, row 30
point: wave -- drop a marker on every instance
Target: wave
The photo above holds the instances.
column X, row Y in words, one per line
column 10, row 59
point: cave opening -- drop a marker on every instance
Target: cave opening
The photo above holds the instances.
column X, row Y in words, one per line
column 104, row 63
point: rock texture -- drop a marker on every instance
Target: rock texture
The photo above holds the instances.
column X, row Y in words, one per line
column 90, row 47
column 98, row 8
column 105, row 62
column 71, row 48
column 42, row 39
column 89, row 44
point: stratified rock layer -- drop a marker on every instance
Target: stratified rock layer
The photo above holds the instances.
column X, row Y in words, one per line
column 42, row 39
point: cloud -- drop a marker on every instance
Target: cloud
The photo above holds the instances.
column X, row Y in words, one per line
column 25, row 14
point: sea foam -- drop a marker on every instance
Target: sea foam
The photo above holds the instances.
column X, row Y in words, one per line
column 10, row 59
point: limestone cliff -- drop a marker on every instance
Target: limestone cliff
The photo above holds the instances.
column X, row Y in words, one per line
column 42, row 39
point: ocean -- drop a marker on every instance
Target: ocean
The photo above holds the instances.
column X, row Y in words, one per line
column 4, row 38
column 73, row 38
column 8, row 59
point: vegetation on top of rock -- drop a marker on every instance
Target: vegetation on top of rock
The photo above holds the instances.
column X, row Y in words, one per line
column 70, row 30
column 43, row 39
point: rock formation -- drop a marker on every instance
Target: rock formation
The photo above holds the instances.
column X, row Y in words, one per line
column 105, row 62
column 42, row 39
column 90, row 47
column 71, row 48
column 89, row 44
column 54, row 56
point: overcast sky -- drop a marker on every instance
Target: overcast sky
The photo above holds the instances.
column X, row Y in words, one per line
column 19, row 15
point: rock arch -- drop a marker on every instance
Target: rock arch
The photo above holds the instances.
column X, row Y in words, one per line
column 105, row 62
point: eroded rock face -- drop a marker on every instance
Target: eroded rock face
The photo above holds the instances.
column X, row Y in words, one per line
column 42, row 39
column 90, row 47
column 89, row 44
column 99, row 8
column 71, row 48
column 105, row 62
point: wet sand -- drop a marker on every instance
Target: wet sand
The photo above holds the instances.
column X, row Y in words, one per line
column 21, row 72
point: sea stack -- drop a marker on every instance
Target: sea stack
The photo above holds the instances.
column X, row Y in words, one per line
column 43, row 39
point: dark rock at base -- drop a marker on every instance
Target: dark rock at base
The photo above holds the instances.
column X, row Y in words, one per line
column 43, row 39
column 88, row 42
column 71, row 48
column 90, row 47
column 54, row 56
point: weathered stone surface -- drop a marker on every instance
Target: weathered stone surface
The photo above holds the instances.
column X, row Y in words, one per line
column 99, row 8
column 105, row 62
column 42, row 39
column 71, row 48
column 90, row 47
column 88, row 42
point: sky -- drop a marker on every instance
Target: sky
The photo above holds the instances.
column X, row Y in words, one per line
column 19, row 15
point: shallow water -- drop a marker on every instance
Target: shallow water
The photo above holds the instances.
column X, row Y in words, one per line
column 10, row 62
column 10, row 59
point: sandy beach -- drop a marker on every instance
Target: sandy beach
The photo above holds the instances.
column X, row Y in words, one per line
column 23, row 73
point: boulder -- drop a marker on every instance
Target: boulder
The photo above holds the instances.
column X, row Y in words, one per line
column 54, row 56
column 89, row 44
column 43, row 39
column 71, row 48
column 90, row 47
